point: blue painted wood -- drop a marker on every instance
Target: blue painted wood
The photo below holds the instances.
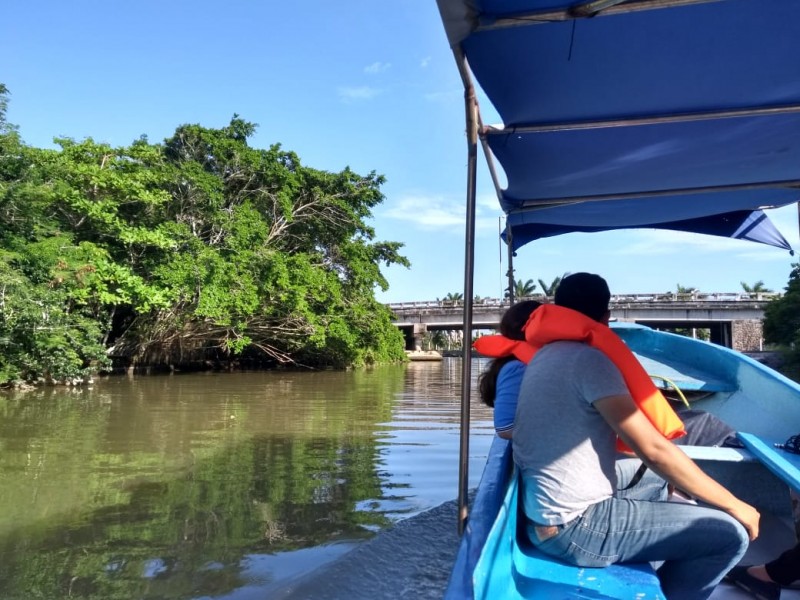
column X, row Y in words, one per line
column 493, row 561
column 485, row 508
column 512, row 568
column 783, row 464
column 692, row 364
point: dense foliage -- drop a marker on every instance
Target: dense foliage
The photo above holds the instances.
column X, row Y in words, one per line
column 190, row 253
column 782, row 319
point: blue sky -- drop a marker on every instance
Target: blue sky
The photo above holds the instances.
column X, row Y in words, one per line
column 366, row 84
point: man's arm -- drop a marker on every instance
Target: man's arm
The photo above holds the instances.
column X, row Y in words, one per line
column 663, row 457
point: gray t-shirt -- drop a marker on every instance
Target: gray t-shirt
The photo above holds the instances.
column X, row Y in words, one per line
column 564, row 448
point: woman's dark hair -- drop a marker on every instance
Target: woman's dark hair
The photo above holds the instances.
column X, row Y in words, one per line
column 511, row 326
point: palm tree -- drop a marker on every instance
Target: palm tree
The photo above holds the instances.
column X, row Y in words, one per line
column 550, row 290
column 685, row 290
column 453, row 298
column 522, row 289
column 756, row 288
column 438, row 340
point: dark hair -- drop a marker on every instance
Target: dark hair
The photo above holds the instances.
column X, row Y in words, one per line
column 585, row 292
column 511, row 325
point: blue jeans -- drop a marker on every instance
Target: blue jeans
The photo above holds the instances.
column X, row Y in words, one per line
column 697, row 545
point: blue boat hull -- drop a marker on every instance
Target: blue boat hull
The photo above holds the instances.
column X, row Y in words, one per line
column 495, row 560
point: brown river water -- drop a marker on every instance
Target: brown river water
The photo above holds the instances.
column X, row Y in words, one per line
column 220, row 485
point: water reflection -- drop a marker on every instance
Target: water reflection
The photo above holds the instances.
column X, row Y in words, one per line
column 192, row 486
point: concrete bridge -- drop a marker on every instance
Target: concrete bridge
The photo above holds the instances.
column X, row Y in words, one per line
column 732, row 319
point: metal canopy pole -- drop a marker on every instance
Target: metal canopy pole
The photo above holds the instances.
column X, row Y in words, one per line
column 471, row 111
column 510, row 244
column 582, row 11
column 733, row 113
column 540, row 203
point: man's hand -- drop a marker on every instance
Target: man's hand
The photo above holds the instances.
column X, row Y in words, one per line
column 747, row 516
column 671, row 463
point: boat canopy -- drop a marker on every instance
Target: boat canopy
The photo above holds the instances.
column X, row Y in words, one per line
column 619, row 114
column 670, row 114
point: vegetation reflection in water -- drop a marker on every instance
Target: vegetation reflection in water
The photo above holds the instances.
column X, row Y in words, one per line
column 189, row 486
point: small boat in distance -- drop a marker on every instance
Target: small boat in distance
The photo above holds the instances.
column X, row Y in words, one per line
column 423, row 355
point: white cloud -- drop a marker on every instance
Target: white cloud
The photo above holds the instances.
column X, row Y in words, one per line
column 448, row 98
column 427, row 212
column 355, row 94
column 764, row 254
column 657, row 241
column 431, row 212
column 425, row 62
column 377, row 67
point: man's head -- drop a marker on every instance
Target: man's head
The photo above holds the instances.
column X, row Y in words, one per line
column 587, row 293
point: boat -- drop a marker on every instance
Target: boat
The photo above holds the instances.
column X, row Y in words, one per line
column 495, row 560
column 424, row 355
column 681, row 115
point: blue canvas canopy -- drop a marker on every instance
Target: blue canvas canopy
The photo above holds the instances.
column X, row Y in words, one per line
column 671, row 114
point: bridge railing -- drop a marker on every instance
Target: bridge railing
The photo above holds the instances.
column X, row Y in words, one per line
column 615, row 299
column 697, row 297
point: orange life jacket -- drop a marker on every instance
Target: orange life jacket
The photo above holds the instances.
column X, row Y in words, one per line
column 550, row 323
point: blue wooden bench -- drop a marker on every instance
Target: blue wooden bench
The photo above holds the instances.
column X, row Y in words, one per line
column 783, row 464
column 511, row 567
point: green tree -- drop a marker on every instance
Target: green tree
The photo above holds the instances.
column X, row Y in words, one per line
column 41, row 336
column 454, row 298
column 438, row 340
column 757, row 287
column 3, row 102
column 549, row 290
column 198, row 249
column 274, row 258
column 46, row 331
column 782, row 323
column 522, row 289
column 782, row 315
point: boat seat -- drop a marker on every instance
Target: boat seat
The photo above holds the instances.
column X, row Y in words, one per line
column 783, row 464
column 545, row 577
column 537, row 575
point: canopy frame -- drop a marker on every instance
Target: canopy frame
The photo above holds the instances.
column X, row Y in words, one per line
column 532, row 204
column 692, row 105
column 588, row 10
column 490, row 130
column 472, row 122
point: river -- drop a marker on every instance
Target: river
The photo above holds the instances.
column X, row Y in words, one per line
column 216, row 484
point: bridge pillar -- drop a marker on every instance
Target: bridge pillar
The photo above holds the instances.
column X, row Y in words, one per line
column 747, row 335
column 720, row 333
column 417, row 335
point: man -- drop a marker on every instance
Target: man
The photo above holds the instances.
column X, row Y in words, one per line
column 573, row 404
